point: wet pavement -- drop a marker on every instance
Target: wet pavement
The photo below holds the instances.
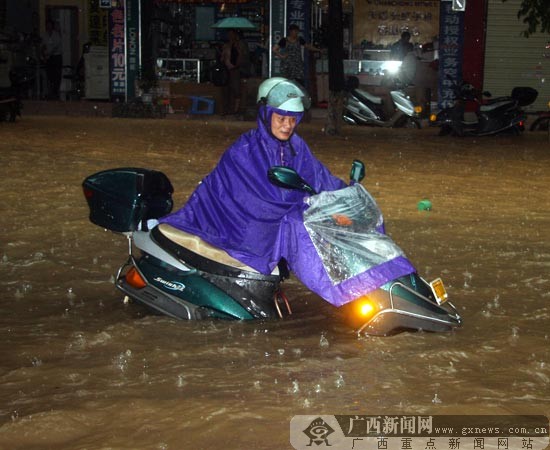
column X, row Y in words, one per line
column 80, row 369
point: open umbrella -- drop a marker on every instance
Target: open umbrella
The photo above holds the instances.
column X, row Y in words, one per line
column 236, row 23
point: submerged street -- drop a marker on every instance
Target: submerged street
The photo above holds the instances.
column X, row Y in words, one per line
column 80, row 369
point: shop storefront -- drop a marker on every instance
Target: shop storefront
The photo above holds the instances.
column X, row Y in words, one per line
column 378, row 25
column 185, row 46
column 513, row 60
column 175, row 39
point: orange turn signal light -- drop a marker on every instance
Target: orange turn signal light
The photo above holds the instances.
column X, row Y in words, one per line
column 433, row 118
column 133, row 278
column 418, row 109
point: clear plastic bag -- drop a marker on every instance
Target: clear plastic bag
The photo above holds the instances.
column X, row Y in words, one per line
column 347, row 230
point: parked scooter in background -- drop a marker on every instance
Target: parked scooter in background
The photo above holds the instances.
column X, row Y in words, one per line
column 10, row 106
column 363, row 108
column 542, row 121
column 17, row 72
column 22, row 78
column 492, row 115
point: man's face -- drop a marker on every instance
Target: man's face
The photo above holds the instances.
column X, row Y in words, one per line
column 282, row 127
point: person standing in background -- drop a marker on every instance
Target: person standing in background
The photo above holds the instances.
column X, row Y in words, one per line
column 402, row 47
column 236, row 58
column 52, row 57
column 289, row 49
column 409, row 64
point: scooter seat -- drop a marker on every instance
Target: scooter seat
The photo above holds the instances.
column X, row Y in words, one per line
column 497, row 103
column 366, row 96
column 203, row 248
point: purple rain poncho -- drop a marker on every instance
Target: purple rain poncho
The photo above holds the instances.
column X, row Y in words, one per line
column 237, row 209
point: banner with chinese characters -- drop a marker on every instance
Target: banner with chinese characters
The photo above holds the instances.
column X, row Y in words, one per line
column 117, row 51
column 132, row 47
column 277, row 31
column 451, row 49
column 415, row 432
column 298, row 12
column 381, row 22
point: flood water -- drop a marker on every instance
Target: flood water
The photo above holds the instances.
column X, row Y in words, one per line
column 79, row 369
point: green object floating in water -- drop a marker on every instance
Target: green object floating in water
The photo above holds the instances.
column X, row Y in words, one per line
column 424, row 205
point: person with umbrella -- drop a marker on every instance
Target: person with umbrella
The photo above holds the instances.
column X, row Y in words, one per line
column 236, row 58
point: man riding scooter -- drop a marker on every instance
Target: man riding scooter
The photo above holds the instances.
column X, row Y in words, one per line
column 235, row 207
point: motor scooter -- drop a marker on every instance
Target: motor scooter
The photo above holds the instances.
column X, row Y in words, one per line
column 492, row 115
column 21, row 78
column 182, row 276
column 542, row 121
column 364, row 108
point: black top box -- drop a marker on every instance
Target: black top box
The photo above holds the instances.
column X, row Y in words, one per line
column 119, row 199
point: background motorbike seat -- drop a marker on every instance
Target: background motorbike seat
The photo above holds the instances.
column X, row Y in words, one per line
column 366, row 96
column 496, row 103
column 203, row 248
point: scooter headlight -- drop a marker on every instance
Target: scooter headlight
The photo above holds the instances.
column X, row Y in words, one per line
column 360, row 311
column 365, row 308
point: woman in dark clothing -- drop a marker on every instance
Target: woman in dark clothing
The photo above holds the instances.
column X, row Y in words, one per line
column 289, row 49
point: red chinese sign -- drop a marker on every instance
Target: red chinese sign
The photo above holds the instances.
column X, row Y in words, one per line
column 117, row 51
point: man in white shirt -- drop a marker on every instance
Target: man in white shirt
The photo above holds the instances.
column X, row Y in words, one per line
column 52, row 57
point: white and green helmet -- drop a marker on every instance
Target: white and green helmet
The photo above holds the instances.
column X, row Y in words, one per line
column 284, row 94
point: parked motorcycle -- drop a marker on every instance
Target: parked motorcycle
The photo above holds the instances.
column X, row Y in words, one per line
column 10, row 106
column 541, row 121
column 22, row 77
column 180, row 275
column 492, row 115
column 363, row 108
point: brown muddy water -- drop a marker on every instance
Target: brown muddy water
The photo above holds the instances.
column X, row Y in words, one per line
column 81, row 370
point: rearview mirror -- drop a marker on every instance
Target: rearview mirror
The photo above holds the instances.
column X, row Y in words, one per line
column 357, row 172
column 288, row 178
